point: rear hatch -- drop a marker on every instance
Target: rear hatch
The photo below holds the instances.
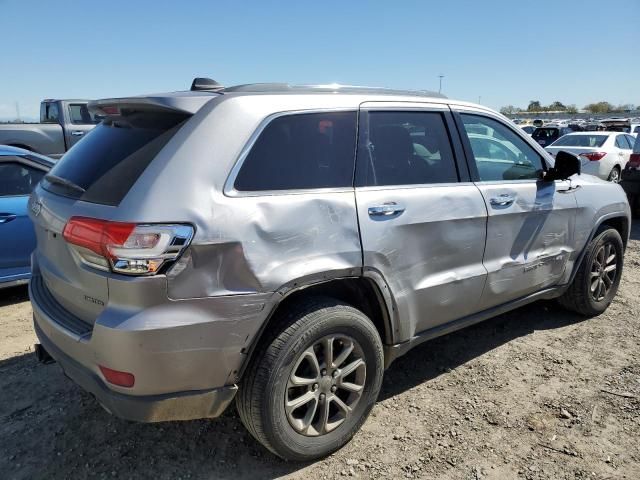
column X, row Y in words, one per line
column 90, row 181
column 579, row 145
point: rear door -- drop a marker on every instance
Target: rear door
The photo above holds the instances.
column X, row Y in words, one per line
column 18, row 177
column 530, row 222
column 422, row 221
column 78, row 122
column 624, row 149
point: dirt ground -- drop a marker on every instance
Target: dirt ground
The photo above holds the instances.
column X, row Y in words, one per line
column 538, row 393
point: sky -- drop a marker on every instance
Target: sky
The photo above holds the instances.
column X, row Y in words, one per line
column 492, row 52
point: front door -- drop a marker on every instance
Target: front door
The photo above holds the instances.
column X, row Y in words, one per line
column 530, row 221
column 422, row 222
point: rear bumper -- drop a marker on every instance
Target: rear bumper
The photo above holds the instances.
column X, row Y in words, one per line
column 147, row 408
column 185, row 355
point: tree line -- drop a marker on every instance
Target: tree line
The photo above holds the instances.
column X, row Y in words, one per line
column 597, row 107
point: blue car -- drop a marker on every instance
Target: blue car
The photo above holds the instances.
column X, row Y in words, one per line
column 20, row 171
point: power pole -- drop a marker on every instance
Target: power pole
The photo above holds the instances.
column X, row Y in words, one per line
column 18, row 111
column 440, row 87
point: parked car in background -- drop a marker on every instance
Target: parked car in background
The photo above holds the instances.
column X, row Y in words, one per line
column 603, row 154
column 20, row 171
column 631, row 179
column 528, row 128
column 62, row 124
column 340, row 227
column 547, row 135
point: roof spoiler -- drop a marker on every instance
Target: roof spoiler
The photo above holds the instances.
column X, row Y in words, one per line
column 189, row 104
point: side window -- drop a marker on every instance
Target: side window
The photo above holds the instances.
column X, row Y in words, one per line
column 632, row 140
column 50, row 113
column 500, row 154
column 18, row 179
column 302, row 151
column 405, row 148
column 79, row 114
column 621, row 142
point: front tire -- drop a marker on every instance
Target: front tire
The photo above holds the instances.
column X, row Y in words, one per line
column 312, row 384
column 598, row 277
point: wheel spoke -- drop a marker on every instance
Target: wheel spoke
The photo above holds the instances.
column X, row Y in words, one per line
column 346, row 371
column 606, row 282
column 610, row 268
column 595, row 284
column 327, row 344
column 351, row 387
column 300, row 401
column 346, row 351
column 324, row 417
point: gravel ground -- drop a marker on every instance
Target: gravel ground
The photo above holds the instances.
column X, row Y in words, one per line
column 538, row 393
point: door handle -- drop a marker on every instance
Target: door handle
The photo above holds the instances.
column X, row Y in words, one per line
column 503, row 200
column 386, row 210
column 7, row 217
column 77, row 133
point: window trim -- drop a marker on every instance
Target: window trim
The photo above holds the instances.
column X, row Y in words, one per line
column 470, row 157
column 462, row 171
column 229, row 189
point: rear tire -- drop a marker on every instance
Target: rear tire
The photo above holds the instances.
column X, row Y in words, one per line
column 283, row 372
column 598, row 277
column 614, row 176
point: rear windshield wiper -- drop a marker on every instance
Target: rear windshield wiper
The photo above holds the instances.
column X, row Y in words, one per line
column 64, row 182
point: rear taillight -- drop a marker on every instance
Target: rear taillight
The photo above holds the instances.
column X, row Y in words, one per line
column 594, row 156
column 130, row 248
column 634, row 160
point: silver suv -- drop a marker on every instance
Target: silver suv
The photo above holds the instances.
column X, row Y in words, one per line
column 282, row 245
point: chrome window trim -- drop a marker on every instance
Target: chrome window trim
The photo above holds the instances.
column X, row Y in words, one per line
column 229, row 189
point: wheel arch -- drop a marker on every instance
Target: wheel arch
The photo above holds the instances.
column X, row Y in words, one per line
column 618, row 221
column 359, row 291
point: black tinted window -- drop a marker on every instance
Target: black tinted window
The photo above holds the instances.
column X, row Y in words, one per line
column 501, row 154
column 18, row 179
column 313, row 150
column 108, row 161
column 405, row 148
column 546, row 133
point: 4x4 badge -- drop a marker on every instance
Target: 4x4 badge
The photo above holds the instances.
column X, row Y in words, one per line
column 36, row 206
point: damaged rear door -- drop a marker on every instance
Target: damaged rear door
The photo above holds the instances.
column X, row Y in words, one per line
column 422, row 222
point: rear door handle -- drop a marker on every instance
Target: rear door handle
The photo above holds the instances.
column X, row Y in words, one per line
column 503, row 200
column 77, row 133
column 7, row 217
column 385, row 210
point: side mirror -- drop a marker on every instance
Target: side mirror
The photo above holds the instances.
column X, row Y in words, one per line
column 566, row 165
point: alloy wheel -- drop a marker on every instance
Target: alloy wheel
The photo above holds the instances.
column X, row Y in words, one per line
column 603, row 271
column 325, row 385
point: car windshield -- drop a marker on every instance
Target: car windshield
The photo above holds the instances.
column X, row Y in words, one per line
column 581, row 141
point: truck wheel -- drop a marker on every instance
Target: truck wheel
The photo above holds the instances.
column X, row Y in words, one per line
column 598, row 277
column 311, row 385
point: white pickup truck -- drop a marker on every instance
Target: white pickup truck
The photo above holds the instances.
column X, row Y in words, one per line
column 62, row 124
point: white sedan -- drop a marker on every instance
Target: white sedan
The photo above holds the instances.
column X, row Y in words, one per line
column 603, row 154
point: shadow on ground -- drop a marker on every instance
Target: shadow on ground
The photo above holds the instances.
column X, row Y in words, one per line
column 12, row 295
column 76, row 438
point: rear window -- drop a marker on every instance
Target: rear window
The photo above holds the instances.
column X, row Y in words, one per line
column 581, row 141
column 542, row 133
column 107, row 162
column 301, row 151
